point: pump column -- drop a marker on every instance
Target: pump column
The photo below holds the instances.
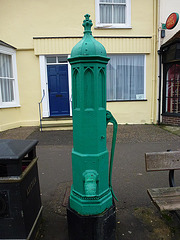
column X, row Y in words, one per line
column 91, row 211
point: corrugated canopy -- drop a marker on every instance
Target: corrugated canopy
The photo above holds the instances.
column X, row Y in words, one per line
column 171, row 49
column 175, row 38
column 64, row 45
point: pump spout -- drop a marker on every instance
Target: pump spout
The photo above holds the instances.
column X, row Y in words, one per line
column 90, row 182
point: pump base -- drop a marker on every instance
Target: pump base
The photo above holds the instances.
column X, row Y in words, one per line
column 96, row 227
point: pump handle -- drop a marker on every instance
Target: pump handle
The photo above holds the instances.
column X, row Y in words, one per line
column 111, row 119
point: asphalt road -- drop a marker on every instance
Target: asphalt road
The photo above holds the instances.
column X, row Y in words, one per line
column 137, row 217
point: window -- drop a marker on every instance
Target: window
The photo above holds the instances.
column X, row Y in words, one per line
column 9, row 96
column 56, row 59
column 113, row 13
column 126, row 77
column 173, row 89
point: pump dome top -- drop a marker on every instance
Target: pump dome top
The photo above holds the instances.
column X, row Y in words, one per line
column 88, row 46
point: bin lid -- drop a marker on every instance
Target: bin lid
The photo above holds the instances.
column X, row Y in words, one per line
column 15, row 149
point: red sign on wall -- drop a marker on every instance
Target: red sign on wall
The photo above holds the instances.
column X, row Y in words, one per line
column 172, row 20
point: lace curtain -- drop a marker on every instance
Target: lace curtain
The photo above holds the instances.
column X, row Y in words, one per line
column 6, row 78
column 113, row 11
column 125, row 77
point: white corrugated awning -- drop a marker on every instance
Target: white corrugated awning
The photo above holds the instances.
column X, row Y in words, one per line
column 64, row 45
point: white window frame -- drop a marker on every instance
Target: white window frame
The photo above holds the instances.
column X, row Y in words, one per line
column 15, row 103
column 127, row 23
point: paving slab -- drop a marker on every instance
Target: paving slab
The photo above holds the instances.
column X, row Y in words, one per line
column 18, row 133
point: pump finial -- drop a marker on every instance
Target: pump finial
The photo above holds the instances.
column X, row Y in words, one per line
column 87, row 23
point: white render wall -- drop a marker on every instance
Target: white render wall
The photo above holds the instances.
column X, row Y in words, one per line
column 166, row 7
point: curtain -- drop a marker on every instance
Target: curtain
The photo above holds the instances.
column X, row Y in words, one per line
column 112, row 12
column 125, row 77
column 6, row 78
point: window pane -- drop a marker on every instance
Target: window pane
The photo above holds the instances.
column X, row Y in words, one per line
column 125, row 77
column 107, row 1
column 62, row 59
column 173, row 89
column 51, row 59
column 119, row 1
column 105, row 13
column 7, row 90
column 5, row 65
column 119, row 14
column 6, row 84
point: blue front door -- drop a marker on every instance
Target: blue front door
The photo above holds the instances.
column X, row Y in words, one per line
column 58, row 90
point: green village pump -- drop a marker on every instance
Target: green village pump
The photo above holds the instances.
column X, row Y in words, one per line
column 91, row 192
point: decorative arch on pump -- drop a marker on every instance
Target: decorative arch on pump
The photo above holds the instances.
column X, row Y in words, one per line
column 76, row 89
column 101, row 88
column 88, row 88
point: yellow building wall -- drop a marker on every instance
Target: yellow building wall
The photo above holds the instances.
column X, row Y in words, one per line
column 29, row 85
column 22, row 20
column 9, row 118
column 29, row 93
column 53, row 18
column 130, row 113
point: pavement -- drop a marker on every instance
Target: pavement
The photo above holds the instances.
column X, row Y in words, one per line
column 136, row 216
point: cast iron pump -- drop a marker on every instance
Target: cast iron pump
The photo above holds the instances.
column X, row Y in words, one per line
column 91, row 192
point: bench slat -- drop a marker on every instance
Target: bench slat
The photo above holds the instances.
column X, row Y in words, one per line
column 165, row 198
column 160, row 161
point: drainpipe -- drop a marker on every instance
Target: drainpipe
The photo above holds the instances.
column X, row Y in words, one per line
column 159, row 99
column 154, row 61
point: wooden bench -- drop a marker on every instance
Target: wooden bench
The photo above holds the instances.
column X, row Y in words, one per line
column 167, row 198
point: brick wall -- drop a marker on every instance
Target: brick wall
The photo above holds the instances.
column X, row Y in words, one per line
column 175, row 121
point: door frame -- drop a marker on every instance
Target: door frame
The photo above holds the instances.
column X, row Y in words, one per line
column 44, row 85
